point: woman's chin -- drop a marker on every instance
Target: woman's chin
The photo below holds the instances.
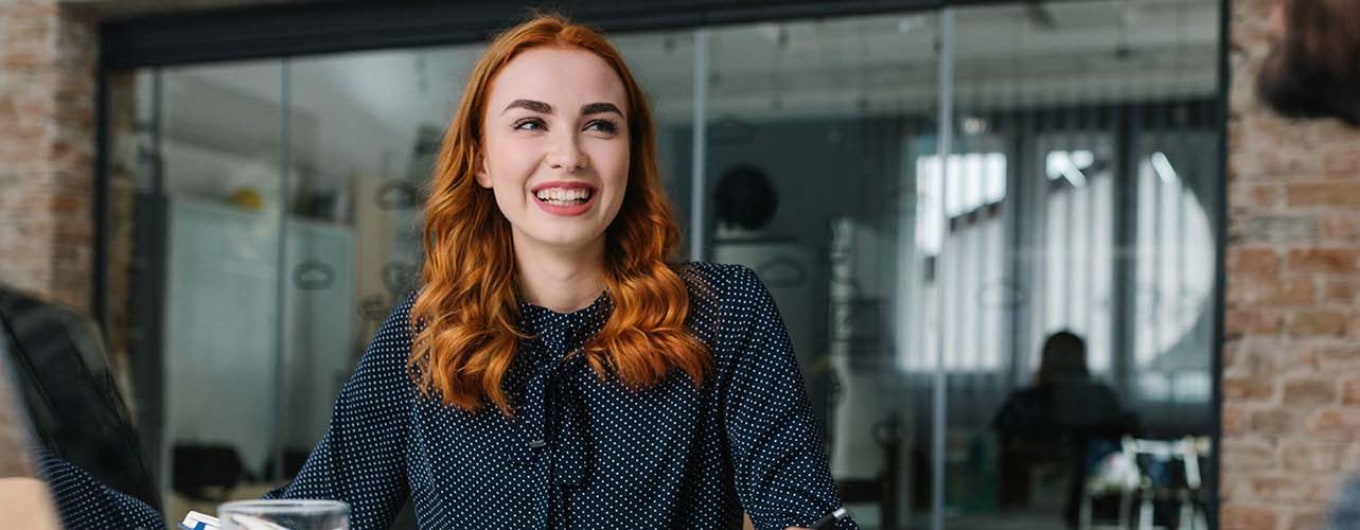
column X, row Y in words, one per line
column 567, row 242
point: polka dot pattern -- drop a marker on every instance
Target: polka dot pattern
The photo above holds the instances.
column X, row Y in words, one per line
column 581, row 452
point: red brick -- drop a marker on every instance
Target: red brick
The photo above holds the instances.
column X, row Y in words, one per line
column 1328, row 193
column 1343, row 260
column 1234, row 419
column 1237, row 516
column 1322, row 489
column 1334, row 424
column 1315, row 321
column 1280, row 228
column 1311, row 392
column 1285, row 161
column 1339, row 226
column 1276, row 357
column 1340, row 290
column 1307, row 458
column 1253, row 321
column 1344, row 162
column 1245, row 389
column 1283, row 489
column 1248, row 456
column 1290, row 292
column 1257, row 195
column 1337, row 358
column 1279, row 422
column 1307, row 520
column 1253, row 261
column 1350, row 392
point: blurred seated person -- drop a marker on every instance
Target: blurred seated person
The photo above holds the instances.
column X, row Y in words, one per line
column 1057, row 421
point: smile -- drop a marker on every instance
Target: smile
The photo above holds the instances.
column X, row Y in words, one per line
column 565, row 198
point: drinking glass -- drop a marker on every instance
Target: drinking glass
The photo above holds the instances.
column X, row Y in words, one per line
column 284, row 515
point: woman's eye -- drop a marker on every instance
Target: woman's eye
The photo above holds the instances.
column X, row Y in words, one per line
column 604, row 126
column 529, row 124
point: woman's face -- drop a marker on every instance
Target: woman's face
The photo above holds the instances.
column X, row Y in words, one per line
column 555, row 147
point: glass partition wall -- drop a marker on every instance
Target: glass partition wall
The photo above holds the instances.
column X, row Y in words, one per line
column 990, row 231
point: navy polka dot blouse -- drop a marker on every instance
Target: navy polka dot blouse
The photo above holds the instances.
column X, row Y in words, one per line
column 580, row 452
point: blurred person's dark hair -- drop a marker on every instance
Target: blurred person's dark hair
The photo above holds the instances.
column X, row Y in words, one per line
column 745, row 198
column 1313, row 69
column 1063, row 359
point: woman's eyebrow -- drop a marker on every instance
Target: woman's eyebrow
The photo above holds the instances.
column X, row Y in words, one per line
column 600, row 108
column 535, row 106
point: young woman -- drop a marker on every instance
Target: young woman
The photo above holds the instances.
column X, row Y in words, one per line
column 555, row 369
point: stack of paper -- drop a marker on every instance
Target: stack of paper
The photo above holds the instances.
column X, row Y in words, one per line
column 198, row 521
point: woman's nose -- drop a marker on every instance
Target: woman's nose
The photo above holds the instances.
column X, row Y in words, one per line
column 566, row 154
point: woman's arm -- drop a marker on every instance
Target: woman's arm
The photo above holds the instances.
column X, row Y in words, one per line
column 85, row 504
column 778, row 459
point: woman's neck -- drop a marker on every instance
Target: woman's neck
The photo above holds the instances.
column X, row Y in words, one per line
column 560, row 281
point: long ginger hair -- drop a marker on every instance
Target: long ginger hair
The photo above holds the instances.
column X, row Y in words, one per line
column 466, row 314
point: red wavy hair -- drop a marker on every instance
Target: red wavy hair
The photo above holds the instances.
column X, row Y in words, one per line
column 466, row 315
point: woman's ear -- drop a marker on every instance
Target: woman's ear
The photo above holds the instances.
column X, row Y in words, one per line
column 483, row 178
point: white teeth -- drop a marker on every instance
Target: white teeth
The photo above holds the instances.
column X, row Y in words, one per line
column 563, row 195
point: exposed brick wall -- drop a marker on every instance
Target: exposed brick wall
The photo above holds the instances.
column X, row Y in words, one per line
column 48, row 54
column 47, row 87
column 1291, row 382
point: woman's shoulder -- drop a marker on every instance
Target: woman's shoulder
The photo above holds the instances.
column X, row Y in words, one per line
column 391, row 345
column 399, row 318
column 725, row 297
column 722, row 283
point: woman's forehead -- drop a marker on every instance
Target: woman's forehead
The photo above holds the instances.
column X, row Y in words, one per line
column 560, row 77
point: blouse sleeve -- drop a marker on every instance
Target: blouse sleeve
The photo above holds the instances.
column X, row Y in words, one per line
column 362, row 458
column 83, row 503
column 778, row 458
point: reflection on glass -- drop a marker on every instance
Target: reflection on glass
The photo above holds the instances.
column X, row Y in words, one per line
column 214, row 204
column 1061, row 274
column 663, row 64
column 355, row 243
column 825, row 178
column 811, row 183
